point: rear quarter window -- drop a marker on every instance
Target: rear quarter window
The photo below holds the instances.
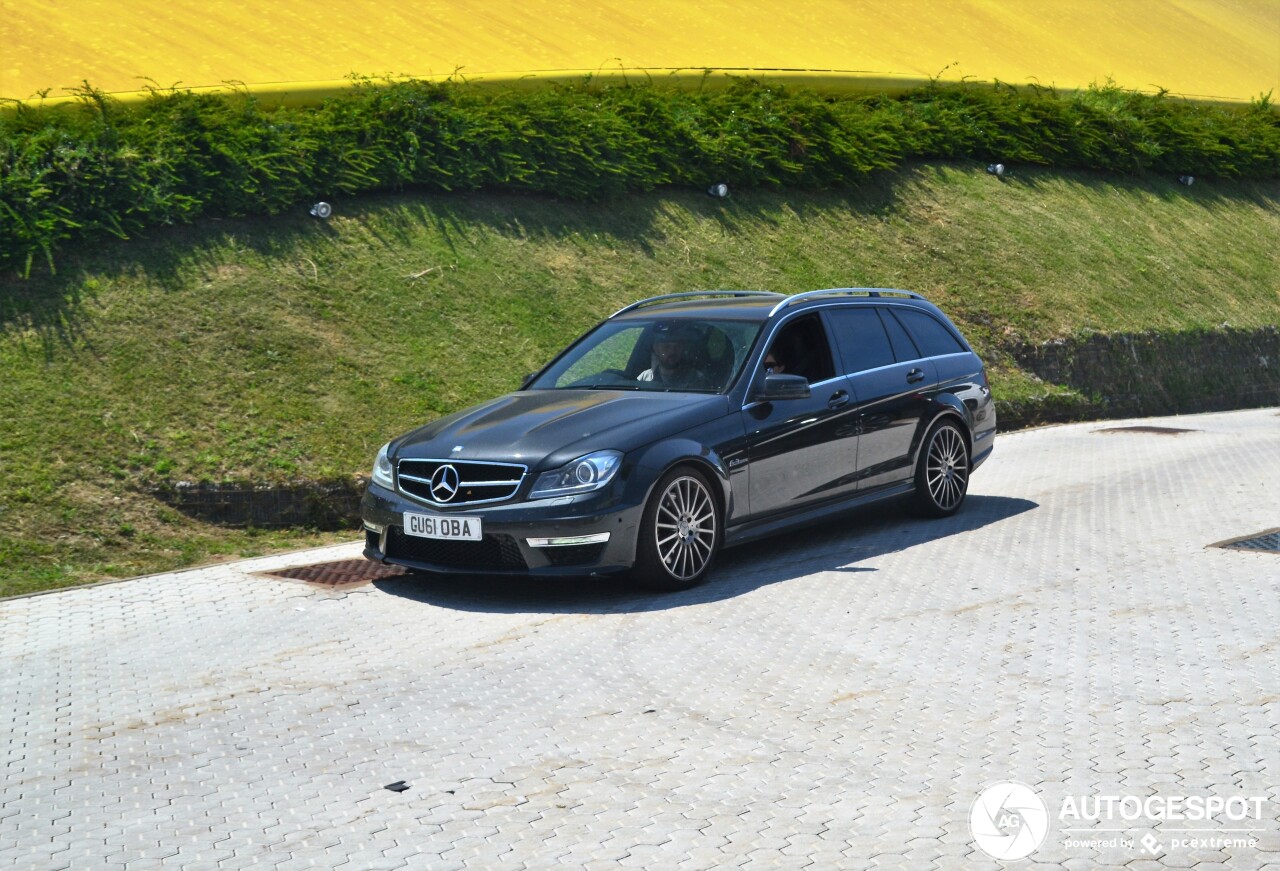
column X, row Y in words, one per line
column 904, row 348
column 931, row 337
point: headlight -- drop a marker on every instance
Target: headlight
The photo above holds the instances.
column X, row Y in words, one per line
column 383, row 475
column 581, row 476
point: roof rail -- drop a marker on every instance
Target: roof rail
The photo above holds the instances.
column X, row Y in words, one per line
column 690, row 295
column 844, row 291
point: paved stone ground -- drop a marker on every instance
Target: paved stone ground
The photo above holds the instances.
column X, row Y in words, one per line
column 836, row 699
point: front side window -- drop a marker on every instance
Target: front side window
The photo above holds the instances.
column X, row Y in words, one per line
column 672, row 354
column 800, row 347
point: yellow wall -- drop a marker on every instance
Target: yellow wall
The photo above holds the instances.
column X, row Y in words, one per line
column 1216, row 49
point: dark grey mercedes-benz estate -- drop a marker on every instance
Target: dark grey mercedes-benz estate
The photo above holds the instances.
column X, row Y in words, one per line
column 688, row 422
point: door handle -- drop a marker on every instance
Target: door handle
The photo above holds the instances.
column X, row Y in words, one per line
column 915, row 375
column 839, row 399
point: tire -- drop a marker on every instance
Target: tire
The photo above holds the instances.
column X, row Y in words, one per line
column 942, row 472
column 680, row 532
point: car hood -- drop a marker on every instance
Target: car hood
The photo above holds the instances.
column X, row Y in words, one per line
column 544, row 429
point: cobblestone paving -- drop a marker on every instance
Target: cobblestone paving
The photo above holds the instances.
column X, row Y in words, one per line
column 834, row 699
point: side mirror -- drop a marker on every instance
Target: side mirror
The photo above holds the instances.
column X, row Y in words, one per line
column 776, row 388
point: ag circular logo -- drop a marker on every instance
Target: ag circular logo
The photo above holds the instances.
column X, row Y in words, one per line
column 1008, row 821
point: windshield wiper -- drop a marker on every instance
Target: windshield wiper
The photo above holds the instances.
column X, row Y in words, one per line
column 601, row 387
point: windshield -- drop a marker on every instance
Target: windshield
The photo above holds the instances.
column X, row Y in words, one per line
column 685, row 354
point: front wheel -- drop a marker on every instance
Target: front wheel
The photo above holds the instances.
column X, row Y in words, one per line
column 942, row 472
column 680, row 533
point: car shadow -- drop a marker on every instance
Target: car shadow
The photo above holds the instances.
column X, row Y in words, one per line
column 848, row 544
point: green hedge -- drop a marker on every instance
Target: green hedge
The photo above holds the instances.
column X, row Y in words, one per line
column 108, row 168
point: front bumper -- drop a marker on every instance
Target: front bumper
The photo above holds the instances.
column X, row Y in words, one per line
column 507, row 528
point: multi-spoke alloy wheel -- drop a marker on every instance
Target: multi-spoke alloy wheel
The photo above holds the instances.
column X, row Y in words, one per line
column 681, row 532
column 942, row 477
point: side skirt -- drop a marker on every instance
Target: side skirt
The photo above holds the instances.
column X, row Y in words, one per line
column 754, row 529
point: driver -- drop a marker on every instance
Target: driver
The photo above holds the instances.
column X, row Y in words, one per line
column 674, row 352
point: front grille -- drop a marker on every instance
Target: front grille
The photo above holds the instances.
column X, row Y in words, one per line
column 476, row 481
column 491, row 552
column 574, row 554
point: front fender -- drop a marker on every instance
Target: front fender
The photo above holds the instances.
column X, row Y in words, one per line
column 657, row 458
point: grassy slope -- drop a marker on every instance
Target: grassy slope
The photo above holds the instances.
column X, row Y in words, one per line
column 282, row 348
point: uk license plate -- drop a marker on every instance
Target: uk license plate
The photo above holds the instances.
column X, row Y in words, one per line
column 439, row 526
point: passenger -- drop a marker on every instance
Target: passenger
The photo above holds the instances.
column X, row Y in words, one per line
column 782, row 355
column 675, row 358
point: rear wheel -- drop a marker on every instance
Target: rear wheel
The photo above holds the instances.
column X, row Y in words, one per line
column 942, row 472
column 679, row 534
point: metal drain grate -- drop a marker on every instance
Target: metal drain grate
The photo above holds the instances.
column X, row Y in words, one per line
column 1259, row 542
column 343, row 573
column 1147, row 428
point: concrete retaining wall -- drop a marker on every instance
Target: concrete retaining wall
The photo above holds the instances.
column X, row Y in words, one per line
column 330, row 504
column 1144, row 374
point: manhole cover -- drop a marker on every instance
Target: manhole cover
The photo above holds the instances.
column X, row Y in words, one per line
column 1259, row 542
column 342, row 573
column 1157, row 430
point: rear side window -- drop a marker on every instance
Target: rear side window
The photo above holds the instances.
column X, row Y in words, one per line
column 903, row 348
column 861, row 338
column 931, row 337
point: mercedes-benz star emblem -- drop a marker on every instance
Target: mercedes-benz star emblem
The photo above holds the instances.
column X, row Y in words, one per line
column 444, row 483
